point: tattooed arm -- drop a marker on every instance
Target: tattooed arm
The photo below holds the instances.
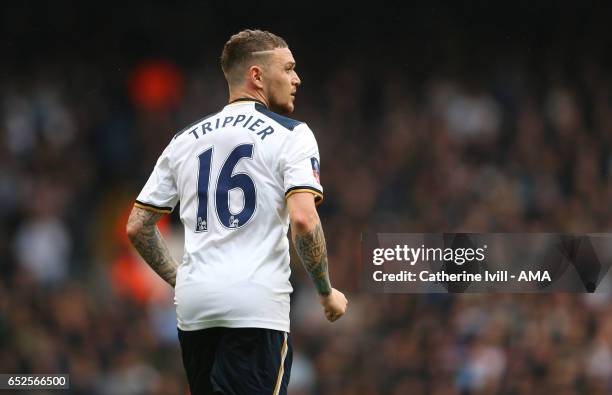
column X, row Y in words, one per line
column 145, row 237
column 309, row 241
column 312, row 250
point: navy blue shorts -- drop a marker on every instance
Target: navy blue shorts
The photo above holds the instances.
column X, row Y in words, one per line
column 236, row 361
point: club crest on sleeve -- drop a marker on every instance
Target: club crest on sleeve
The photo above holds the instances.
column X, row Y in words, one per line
column 316, row 169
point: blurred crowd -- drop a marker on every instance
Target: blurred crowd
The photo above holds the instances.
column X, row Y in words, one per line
column 512, row 152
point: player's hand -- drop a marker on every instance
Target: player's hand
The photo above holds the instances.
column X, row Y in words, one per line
column 334, row 305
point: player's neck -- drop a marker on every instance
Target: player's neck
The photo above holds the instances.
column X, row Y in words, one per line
column 238, row 95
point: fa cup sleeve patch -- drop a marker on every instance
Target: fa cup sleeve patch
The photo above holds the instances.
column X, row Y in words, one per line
column 316, row 169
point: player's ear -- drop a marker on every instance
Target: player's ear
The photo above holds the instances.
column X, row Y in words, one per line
column 255, row 76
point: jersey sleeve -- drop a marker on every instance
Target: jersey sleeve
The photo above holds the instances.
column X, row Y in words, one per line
column 160, row 193
column 300, row 165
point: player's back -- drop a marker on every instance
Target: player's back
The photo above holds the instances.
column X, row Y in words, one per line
column 232, row 172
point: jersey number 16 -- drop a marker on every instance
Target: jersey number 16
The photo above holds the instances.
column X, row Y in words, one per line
column 226, row 181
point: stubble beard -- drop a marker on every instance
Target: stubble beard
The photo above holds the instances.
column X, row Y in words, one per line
column 284, row 109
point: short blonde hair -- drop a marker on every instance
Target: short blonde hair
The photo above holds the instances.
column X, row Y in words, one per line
column 238, row 51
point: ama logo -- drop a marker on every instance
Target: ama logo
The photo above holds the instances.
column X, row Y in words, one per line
column 316, row 169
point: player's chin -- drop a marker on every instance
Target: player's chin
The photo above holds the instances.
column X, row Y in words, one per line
column 286, row 108
column 290, row 105
column 283, row 107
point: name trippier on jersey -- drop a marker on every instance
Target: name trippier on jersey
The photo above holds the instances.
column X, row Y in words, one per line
column 254, row 124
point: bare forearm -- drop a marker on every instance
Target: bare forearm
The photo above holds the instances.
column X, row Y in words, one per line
column 147, row 240
column 312, row 250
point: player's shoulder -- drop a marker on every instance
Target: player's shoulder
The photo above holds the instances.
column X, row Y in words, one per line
column 195, row 125
column 288, row 123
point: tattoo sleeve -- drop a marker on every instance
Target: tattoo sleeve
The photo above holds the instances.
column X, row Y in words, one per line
column 312, row 250
column 150, row 245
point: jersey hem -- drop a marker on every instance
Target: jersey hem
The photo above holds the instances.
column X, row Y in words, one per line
column 234, row 324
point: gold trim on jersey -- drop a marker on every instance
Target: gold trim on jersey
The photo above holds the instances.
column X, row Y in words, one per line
column 242, row 102
column 154, row 209
column 318, row 195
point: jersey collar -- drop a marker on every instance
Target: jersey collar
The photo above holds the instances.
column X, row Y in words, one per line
column 247, row 99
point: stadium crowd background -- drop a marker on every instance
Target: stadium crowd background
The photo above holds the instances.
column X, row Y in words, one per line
column 430, row 119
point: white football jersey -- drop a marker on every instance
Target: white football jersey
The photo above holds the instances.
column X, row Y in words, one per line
column 232, row 172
